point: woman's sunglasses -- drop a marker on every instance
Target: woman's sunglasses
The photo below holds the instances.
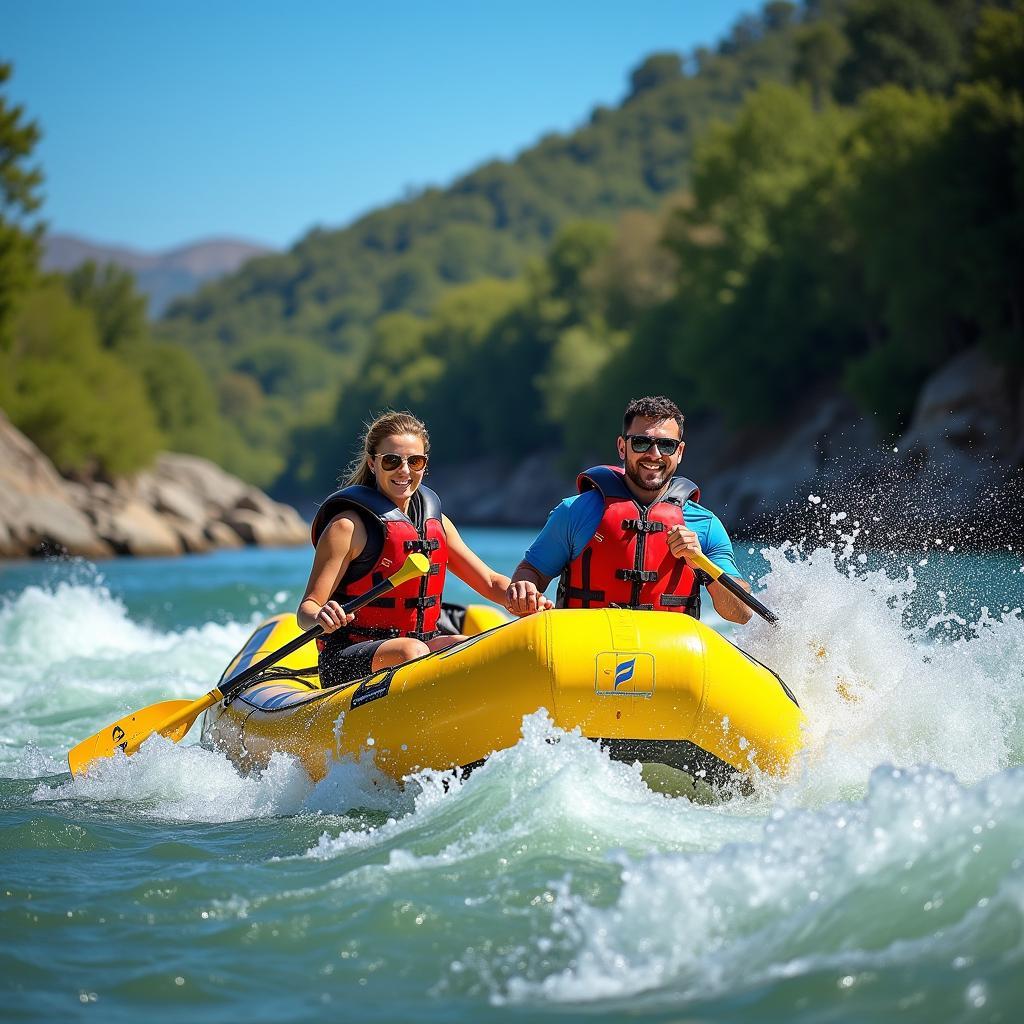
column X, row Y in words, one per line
column 641, row 443
column 390, row 461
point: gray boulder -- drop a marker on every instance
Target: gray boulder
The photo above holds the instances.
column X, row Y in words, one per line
column 967, row 429
column 36, row 515
column 183, row 504
column 133, row 528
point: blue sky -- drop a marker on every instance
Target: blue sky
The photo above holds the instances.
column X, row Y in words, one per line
column 169, row 122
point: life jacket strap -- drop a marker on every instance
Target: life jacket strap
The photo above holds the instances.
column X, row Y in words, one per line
column 585, row 592
column 354, row 634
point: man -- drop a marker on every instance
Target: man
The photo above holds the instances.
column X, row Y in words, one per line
column 623, row 540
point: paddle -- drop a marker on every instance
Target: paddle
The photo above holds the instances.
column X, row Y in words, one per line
column 174, row 718
column 705, row 564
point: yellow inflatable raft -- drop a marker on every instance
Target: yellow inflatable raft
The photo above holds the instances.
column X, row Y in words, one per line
column 653, row 687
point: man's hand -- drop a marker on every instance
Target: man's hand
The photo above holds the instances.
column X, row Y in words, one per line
column 682, row 541
column 523, row 598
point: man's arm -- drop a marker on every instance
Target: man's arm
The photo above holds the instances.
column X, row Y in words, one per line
column 681, row 540
column 545, row 558
column 526, row 591
column 728, row 605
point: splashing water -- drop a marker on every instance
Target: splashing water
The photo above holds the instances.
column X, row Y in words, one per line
column 72, row 659
column 881, row 877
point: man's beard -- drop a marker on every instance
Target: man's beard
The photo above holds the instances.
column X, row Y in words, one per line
column 633, row 472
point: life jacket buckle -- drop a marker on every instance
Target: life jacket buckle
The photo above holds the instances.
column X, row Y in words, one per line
column 637, row 575
column 643, row 526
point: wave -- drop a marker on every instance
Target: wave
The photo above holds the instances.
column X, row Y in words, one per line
column 72, row 659
column 866, row 651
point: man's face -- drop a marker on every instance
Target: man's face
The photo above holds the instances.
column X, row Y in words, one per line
column 651, row 470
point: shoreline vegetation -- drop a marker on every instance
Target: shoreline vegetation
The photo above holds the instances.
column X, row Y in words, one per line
column 809, row 235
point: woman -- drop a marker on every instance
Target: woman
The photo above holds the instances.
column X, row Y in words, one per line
column 363, row 533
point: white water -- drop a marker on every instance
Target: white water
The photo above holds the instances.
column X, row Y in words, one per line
column 72, row 659
column 895, row 841
column 876, row 690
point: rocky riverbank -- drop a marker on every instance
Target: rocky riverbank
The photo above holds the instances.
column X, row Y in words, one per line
column 957, row 469
column 956, row 473
column 183, row 504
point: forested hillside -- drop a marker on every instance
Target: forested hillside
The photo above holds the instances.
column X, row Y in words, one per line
column 833, row 193
column 832, row 196
column 285, row 335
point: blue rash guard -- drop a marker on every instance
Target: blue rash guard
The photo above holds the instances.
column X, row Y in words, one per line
column 572, row 523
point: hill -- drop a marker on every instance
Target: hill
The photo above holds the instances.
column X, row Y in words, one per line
column 825, row 203
column 161, row 276
column 285, row 335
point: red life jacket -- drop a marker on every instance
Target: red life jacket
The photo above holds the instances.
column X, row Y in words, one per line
column 413, row 608
column 627, row 563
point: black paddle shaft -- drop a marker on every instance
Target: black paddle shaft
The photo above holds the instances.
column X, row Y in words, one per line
column 748, row 599
column 239, row 682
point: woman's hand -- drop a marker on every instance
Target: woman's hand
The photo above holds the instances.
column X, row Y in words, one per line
column 332, row 616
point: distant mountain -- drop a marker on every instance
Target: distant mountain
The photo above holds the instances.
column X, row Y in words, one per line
column 163, row 276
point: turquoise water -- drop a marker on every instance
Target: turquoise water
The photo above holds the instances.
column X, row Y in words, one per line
column 883, row 879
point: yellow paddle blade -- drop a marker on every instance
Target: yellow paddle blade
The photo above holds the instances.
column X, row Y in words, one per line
column 170, row 718
column 415, row 565
column 174, row 718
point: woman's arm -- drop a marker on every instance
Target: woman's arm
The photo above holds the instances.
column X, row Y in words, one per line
column 342, row 541
column 471, row 569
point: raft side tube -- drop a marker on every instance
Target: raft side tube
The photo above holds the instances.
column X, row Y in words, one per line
column 647, row 682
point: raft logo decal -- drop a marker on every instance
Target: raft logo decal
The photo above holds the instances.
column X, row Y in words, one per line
column 374, row 688
column 117, row 735
column 624, row 674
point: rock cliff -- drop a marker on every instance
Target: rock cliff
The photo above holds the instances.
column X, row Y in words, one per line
column 958, row 465
column 183, row 504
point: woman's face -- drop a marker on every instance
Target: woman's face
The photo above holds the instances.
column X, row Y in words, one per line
column 400, row 483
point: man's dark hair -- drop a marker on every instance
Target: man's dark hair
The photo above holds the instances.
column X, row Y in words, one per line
column 653, row 407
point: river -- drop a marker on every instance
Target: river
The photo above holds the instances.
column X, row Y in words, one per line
column 884, row 878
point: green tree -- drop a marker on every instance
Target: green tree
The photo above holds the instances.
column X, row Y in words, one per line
column 911, row 43
column 83, row 406
column 655, row 71
column 19, row 199
column 183, row 400
column 117, row 306
column 821, row 50
column 998, row 52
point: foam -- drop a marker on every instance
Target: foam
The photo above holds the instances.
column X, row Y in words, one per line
column 73, row 659
column 185, row 782
column 911, row 874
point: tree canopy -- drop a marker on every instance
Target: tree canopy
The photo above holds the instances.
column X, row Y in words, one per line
column 830, row 197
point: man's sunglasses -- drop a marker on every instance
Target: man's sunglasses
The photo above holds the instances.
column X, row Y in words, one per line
column 641, row 443
column 390, row 461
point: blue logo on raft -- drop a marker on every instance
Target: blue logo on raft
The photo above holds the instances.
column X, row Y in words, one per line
column 624, row 672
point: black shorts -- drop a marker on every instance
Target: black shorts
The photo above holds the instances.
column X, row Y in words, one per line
column 340, row 664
